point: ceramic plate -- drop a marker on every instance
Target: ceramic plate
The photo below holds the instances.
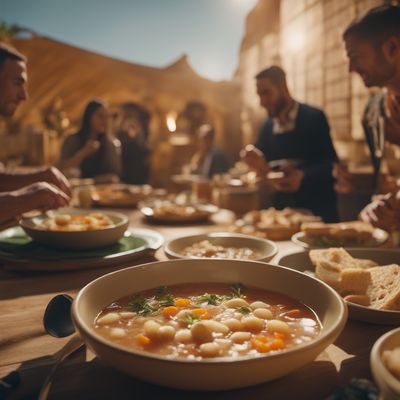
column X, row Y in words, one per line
column 378, row 238
column 120, row 195
column 301, row 262
column 19, row 252
column 174, row 213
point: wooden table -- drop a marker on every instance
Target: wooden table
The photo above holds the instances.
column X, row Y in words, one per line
column 24, row 345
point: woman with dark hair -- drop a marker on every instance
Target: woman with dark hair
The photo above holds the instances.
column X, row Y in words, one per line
column 91, row 150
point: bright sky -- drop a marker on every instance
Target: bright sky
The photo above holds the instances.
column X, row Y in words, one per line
column 150, row 32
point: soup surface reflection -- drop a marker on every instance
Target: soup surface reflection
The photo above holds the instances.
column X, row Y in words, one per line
column 206, row 320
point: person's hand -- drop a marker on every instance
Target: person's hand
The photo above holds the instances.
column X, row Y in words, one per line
column 255, row 159
column 55, row 177
column 291, row 181
column 43, row 196
column 90, row 147
column 344, row 179
column 383, row 212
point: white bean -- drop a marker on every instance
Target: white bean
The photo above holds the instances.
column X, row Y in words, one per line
column 109, row 318
column 209, row 349
column 258, row 304
column 117, row 332
column 251, row 323
column 236, row 303
column 216, row 326
column 127, row 314
column 166, row 333
column 151, row 329
column 263, row 313
column 275, row 325
column 240, row 337
column 233, row 324
column 183, row 336
column 201, row 333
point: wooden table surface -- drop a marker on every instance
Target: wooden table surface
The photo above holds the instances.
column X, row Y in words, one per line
column 24, row 345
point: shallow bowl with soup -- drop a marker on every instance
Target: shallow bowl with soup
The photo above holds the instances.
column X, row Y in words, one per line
column 90, row 237
column 221, row 245
column 388, row 383
column 216, row 373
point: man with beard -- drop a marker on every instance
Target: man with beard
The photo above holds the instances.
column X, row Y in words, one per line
column 294, row 150
column 20, row 191
column 373, row 48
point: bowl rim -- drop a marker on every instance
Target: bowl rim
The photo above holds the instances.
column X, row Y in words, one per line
column 377, row 364
column 335, row 329
column 220, row 234
column 25, row 223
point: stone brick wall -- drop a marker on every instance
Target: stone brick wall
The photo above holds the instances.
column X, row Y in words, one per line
column 308, row 45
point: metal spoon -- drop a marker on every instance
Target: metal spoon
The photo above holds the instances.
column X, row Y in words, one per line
column 58, row 323
column 57, row 316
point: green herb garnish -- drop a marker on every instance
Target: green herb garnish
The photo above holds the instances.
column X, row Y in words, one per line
column 141, row 305
column 236, row 290
column 244, row 310
column 168, row 300
column 190, row 319
column 212, row 299
column 161, row 292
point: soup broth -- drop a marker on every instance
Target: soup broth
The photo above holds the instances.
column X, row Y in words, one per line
column 207, row 320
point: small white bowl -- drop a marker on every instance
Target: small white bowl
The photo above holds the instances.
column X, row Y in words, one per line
column 388, row 384
column 78, row 240
column 266, row 248
column 211, row 374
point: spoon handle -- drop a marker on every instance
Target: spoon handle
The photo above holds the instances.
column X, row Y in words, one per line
column 72, row 345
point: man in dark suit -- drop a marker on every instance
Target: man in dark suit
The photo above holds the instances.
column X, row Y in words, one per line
column 295, row 142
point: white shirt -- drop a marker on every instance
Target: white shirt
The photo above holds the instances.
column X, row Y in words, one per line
column 289, row 125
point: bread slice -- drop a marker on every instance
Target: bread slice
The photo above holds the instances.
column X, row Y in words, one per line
column 384, row 291
column 339, row 269
column 353, row 232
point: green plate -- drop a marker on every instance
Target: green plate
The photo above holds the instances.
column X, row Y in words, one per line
column 19, row 251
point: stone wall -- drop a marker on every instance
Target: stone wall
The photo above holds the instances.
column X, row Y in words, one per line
column 308, row 44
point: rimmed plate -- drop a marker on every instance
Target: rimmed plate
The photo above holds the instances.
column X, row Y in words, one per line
column 265, row 249
column 120, row 195
column 185, row 213
column 379, row 237
column 18, row 252
column 300, row 261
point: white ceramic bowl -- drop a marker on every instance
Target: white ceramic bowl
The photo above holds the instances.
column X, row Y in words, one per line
column 389, row 386
column 265, row 248
column 77, row 240
column 211, row 374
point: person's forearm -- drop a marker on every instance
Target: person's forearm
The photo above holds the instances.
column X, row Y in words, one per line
column 12, row 205
column 13, row 180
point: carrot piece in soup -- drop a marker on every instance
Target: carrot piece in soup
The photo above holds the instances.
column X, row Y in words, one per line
column 170, row 311
column 182, row 302
column 143, row 340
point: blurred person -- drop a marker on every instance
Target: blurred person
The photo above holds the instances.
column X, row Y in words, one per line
column 294, row 140
column 373, row 47
column 91, row 150
column 208, row 159
column 22, row 192
column 135, row 152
